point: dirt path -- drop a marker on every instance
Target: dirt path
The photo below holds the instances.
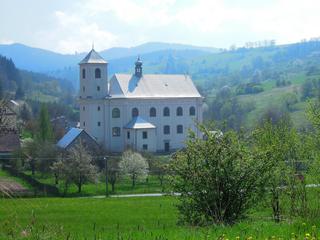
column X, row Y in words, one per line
column 9, row 188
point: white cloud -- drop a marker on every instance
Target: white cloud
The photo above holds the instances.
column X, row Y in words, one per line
column 207, row 15
column 288, row 20
column 149, row 13
column 6, row 41
column 200, row 22
column 73, row 33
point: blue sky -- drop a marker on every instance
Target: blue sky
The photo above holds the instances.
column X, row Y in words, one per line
column 69, row 26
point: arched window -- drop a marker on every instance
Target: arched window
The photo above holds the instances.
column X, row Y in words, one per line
column 97, row 73
column 179, row 111
column 192, row 111
column 98, row 88
column 83, row 73
column 115, row 131
column 179, row 129
column 115, row 113
column 166, row 129
column 98, row 108
column 166, row 112
column 135, row 112
column 153, row 112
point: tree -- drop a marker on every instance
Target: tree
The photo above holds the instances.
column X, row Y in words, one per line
column 76, row 167
column 285, row 153
column 45, row 155
column 113, row 172
column 290, row 99
column 29, row 151
column 25, row 113
column 45, row 128
column 219, row 180
column 134, row 165
column 19, row 93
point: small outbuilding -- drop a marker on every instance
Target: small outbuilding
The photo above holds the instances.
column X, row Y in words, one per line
column 75, row 136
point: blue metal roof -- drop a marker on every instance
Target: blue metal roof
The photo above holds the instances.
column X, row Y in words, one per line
column 69, row 137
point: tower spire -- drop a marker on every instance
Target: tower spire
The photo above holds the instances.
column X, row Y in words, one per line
column 92, row 45
column 138, row 68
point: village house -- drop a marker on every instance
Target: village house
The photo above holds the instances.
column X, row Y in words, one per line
column 145, row 112
column 9, row 134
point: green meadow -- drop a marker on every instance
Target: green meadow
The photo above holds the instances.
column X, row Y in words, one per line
column 131, row 218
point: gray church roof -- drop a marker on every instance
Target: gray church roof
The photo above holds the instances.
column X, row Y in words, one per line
column 93, row 57
column 139, row 123
column 152, row 86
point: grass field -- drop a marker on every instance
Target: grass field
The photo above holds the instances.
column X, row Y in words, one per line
column 123, row 186
column 126, row 218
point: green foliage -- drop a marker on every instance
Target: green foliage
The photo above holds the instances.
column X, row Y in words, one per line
column 227, row 111
column 249, row 88
column 218, row 178
column 76, row 168
column 286, row 151
column 130, row 218
column 45, row 128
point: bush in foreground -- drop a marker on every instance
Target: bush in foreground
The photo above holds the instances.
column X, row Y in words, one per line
column 219, row 180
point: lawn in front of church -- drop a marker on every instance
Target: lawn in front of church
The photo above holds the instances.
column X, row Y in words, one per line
column 129, row 218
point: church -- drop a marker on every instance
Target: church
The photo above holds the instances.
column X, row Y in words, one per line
column 144, row 112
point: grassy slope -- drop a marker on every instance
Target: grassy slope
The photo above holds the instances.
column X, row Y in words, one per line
column 128, row 218
column 272, row 96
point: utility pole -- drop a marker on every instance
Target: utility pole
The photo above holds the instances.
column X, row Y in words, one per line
column 106, row 169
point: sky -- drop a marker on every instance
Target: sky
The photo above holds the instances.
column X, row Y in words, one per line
column 69, row 26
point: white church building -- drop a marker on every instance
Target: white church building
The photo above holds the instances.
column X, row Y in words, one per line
column 145, row 112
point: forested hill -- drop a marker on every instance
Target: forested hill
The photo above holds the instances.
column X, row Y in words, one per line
column 22, row 84
column 244, row 85
column 240, row 85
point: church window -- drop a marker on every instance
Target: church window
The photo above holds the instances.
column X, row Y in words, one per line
column 83, row 89
column 145, row 147
column 115, row 131
column 153, row 112
column 135, row 112
column 128, row 135
column 166, row 112
column 98, row 108
column 98, row 88
column 166, row 129
column 97, row 73
column 192, row 111
column 83, row 73
column 179, row 111
column 83, row 108
column 84, row 123
column 145, row 135
column 99, row 124
column 116, row 113
column 179, row 129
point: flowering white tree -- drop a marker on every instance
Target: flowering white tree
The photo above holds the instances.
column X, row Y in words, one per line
column 134, row 165
column 77, row 167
